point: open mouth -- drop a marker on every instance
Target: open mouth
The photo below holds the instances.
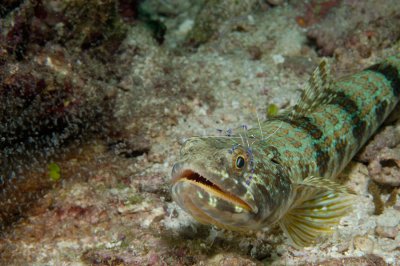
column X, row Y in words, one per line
column 210, row 187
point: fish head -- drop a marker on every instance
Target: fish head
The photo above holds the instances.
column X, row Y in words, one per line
column 218, row 181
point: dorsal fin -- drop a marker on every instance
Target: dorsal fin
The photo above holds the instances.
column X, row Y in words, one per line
column 316, row 92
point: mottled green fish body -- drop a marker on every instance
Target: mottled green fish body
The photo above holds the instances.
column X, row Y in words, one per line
column 283, row 171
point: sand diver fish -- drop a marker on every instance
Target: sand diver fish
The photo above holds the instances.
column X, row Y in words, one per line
column 283, row 171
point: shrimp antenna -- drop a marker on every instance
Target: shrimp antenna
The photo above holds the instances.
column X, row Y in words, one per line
column 246, row 136
column 241, row 138
column 259, row 125
column 276, row 130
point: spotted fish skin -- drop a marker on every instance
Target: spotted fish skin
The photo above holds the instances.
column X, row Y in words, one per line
column 336, row 130
column 283, row 171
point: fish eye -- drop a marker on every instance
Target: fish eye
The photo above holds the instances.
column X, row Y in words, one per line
column 239, row 162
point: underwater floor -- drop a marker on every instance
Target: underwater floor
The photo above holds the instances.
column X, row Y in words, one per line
column 98, row 95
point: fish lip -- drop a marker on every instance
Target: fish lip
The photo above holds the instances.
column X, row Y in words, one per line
column 181, row 173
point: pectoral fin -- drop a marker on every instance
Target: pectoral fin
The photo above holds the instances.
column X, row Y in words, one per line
column 319, row 205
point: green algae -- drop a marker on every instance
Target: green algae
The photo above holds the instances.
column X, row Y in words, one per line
column 54, row 171
column 272, row 110
column 135, row 199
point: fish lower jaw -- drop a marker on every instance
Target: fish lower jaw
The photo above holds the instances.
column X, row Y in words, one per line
column 205, row 212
